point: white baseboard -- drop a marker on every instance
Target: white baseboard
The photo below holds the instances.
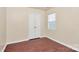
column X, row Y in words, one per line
column 17, row 41
column 4, row 47
column 21, row 40
column 64, row 44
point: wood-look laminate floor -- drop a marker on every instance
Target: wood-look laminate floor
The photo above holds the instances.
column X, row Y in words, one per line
column 38, row 45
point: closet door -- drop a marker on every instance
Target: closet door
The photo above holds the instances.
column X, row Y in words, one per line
column 34, row 25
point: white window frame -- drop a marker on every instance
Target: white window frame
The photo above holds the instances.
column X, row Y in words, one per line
column 52, row 21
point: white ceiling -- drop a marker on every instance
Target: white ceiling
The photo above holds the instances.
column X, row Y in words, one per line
column 43, row 8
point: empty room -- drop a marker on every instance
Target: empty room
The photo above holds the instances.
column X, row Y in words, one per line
column 39, row 29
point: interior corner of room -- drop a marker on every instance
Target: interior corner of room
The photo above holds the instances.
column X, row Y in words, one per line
column 17, row 23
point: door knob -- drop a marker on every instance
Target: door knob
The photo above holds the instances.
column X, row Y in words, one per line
column 35, row 27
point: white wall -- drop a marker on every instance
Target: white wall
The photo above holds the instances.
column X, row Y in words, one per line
column 2, row 27
column 17, row 23
column 67, row 24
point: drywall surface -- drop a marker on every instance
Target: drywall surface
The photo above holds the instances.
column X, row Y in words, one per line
column 67, row 25
column 2, row 27
column 17, row 23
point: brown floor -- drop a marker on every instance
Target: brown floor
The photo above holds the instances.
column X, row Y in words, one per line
column 38, row 45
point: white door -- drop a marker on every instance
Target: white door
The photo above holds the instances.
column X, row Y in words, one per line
column 34, row 25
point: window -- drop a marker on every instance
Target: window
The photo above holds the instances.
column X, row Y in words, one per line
column 52, row 21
